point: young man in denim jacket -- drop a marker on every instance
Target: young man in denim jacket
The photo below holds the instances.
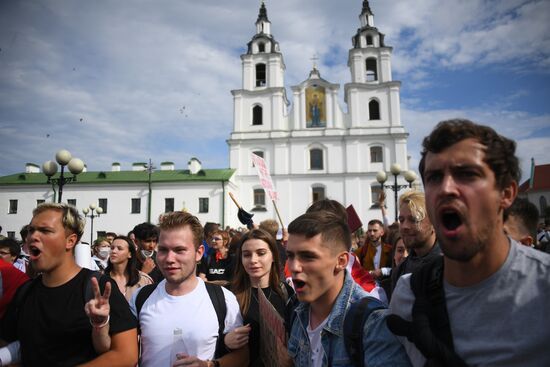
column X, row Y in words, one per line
column 317, row 253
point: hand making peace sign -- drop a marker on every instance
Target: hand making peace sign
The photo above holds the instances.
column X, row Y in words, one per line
column 98, row 308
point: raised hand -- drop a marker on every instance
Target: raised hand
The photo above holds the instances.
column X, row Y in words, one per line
column 98, row 308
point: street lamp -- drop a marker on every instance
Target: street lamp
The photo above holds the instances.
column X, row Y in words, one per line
column 395, row 170
column 64, row 158
column 91, row 209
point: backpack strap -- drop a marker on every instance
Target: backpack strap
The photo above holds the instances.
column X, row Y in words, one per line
column 354, row 322
column 215, row 292
column 144, row 293
column 431, row 329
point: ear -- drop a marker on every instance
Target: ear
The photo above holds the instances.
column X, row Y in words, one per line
column 342, row 261
column 508, row 195
column 199, row 253
column 527, row 241
column 71, row 241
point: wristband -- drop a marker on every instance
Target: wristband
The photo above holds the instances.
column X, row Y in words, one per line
column 101, row 325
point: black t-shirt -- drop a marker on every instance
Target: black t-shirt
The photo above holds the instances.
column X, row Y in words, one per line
column 253, row 318
column 219, row 269
column 53, row 328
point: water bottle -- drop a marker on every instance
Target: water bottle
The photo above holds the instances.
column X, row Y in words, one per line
column 178, row 346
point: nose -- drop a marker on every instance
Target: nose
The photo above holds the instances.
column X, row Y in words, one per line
column 448, row 185
column 294, row 266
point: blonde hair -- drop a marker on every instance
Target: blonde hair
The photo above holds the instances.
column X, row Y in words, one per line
column 416, row 201
column 71, row 219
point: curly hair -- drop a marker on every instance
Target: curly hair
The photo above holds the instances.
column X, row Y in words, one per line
column 499, row 153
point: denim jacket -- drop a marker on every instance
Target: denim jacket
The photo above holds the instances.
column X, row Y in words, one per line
column 381, row 347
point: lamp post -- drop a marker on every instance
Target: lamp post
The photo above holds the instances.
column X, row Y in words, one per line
column 395, row 170
column 90, row 210
column 64, row 158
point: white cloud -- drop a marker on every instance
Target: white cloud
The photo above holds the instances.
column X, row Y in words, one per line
column 129, row 69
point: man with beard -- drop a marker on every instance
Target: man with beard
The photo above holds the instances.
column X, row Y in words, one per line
column 485, row 301
column 417, row 234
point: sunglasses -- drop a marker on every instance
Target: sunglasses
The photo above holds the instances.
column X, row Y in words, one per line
column 217, row 238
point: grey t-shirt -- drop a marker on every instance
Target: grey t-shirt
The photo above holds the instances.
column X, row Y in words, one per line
column 502, row 321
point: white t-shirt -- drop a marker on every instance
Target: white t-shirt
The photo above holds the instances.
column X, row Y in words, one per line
column 193, row 313
column 315, row 342
column 502, row 321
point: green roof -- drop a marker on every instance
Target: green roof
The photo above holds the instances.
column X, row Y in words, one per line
column 99, row 177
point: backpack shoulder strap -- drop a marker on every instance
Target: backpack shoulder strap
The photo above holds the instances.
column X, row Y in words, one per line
column 354, row 322
column 142, row 296
column 215, row 292
column 427, row 284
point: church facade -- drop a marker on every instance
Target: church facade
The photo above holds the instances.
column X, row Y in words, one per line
column 315, row 149
column 312, row 146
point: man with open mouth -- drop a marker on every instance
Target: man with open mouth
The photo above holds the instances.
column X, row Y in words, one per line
column 317, row 255
column 63, row 317
column 485, row 301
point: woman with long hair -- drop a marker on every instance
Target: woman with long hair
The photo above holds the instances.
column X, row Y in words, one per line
column 122, row 267
column 257, row 270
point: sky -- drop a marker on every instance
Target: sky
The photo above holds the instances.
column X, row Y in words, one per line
column 128, row 81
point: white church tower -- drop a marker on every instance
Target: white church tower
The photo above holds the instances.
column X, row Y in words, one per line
column 316, row 149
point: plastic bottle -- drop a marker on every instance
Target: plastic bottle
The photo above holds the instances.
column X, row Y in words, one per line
column 178, row 346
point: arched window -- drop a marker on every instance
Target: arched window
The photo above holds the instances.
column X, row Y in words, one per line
column 372, row 74
column 259, row 198
column 376, row 155
column 369, row 41
column 543, row 206
column 261, row 47
column 317, row 193
column 260, row 75
column 374, row 110
column 257, row 115
column 316, row 159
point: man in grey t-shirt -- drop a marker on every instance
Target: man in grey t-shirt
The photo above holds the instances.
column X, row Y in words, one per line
column 495, row 291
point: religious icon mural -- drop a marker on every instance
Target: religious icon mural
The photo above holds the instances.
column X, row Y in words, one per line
column 315, row 107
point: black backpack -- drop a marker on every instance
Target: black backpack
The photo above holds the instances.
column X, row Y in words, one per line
column 218, row 301
column 355, row 319
column 430, row 330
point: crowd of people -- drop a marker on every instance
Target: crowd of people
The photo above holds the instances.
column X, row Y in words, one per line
column 461, row 279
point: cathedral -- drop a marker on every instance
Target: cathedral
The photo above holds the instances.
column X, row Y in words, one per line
column 313, row 147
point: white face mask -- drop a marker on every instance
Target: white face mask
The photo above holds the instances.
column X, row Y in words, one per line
column 146, row 253
column 104, row 252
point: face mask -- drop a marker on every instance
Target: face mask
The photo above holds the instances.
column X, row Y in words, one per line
column 104, row 252
column 146, row 253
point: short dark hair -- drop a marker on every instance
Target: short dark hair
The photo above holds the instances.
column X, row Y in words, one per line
column 12, row 245
column 499, row 153
column 526, row 212
column 210, row 227
column 329, row 205
column 24, row 232
column 146, row 231
column 333, row 228
column 375, row 221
